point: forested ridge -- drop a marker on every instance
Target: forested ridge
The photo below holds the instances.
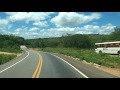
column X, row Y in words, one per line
column 85, row 41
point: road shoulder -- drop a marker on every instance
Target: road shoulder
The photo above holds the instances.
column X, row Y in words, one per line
column 77, row 63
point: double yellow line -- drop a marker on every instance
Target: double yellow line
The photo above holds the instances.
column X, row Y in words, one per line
column 38, row 69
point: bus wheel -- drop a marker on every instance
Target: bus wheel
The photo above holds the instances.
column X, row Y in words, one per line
column 118, row 52
column 100, row 52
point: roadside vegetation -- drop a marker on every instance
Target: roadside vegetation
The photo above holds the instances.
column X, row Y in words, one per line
column 87, row 55
column 11, row 49
column 6, row 58
column 10, row 43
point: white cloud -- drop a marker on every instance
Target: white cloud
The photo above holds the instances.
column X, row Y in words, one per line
column 22, row 29
column 87, row 29
column 95, row 29
column 2, row 31
column 28, row 16
column 90, row 27
column 34, row 29
column 107, row 29
column 10, row 13
column 35, row 32
column 58, row 32
column 73, row 18
column 3, row 22
column 41, row 24
column 26, row 32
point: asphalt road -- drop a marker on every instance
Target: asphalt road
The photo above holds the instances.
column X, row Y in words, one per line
column 38, row 64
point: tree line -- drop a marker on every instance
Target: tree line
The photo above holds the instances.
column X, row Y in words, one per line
column 12, row 43
column 83, row 41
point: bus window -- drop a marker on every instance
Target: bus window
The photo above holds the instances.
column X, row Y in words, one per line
column 117, row 44
column 111, row 45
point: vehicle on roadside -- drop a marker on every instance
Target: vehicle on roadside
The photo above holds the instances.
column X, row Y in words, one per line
column 108, row 47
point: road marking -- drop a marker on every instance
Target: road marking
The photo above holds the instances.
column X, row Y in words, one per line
column 70, row 65
column 38, row 69
column 38, row 75
column 34, row 75
column 15, row 63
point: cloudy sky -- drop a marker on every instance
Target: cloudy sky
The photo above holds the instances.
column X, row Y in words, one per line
column 55, row 24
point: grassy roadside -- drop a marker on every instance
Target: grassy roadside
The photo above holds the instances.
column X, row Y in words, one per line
column 6, row 58
column 87, row 55
column 13, row 50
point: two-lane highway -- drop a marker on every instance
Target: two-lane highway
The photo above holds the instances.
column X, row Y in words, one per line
column 38, row 64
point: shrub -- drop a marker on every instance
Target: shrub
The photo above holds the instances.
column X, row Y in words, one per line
column 6, row 58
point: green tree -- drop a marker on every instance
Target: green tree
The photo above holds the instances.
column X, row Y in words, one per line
column 115, row 35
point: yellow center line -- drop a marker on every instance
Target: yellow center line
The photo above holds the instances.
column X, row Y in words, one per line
column 38, row 69
column 38, row 74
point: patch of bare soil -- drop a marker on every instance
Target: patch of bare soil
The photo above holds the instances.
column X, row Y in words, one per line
column 114, row 71
column 9, row 53
column 36, row 49
column 19, row 54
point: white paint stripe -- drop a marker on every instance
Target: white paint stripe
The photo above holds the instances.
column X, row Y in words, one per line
column 15, row 63
column 71, row 66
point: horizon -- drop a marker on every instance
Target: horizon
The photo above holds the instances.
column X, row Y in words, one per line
column 52, row 37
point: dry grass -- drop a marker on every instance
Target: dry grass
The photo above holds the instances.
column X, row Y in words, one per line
column 7, row 53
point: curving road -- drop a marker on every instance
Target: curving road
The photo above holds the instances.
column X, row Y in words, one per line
column 38, row 64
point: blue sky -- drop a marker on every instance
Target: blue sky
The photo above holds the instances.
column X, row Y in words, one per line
column 55, row 24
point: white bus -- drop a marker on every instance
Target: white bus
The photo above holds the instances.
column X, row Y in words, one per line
column 108, row 47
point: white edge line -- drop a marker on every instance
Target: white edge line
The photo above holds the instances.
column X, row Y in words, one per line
column 70, row 65
column 15, row 63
